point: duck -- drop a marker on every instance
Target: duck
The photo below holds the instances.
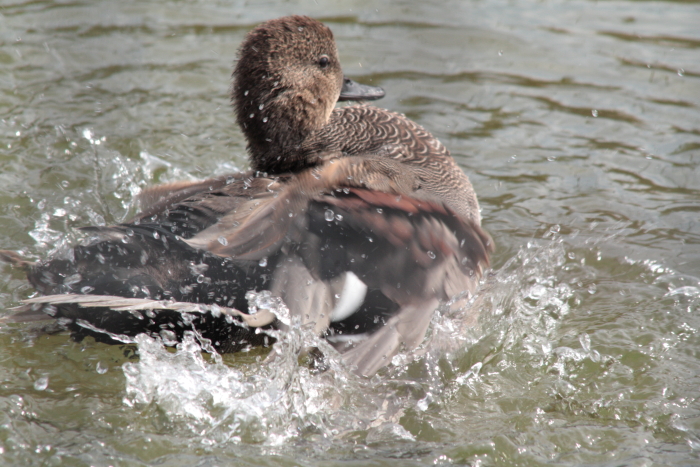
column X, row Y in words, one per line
column 355, row 217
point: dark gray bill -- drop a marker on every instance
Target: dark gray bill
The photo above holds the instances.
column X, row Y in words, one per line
column 353, row 91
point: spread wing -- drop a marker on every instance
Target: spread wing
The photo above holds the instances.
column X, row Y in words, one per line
column 306, row 237
column 364, row 216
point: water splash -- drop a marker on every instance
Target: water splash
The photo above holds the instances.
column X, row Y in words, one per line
column 278, row 398
column 268, row 401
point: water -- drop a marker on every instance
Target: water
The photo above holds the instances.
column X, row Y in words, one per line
column 579, row 125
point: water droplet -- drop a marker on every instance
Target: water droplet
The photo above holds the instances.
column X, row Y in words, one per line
column 264, row 119
column 263, row 262
column 72, row 279
column 156, row 235
column 87, row 289
column 339, row 217
column 42, row 383
column 380, row 210
column 251, row 115
column 537, row 292
column 169, row 337
column 681, row 72
column 100, row 368
column 260, row 107
column 222, row 240
column 594, row 112
column 246, row 93
column 585, row 341
column 329, row 215
column 431, row 255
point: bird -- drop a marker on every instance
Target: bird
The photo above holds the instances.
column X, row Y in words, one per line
column 355, row 217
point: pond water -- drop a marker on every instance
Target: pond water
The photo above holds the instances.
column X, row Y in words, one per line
column 577, row 121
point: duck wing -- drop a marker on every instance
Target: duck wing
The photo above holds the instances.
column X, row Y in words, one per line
column 115, row 319
column 417, row 252
column 367, row 218
column 259, row 225
column 117, row 303
column 403, row 331
column 158, row 199
column 355, row 248
column 95, row 288
column 188, row 208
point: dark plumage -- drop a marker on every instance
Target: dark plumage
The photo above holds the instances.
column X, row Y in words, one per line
column 357, row 217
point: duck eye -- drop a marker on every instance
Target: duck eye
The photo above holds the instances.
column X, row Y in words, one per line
column 323, row 62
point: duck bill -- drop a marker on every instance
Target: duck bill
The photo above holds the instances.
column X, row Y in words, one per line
column 352, row 91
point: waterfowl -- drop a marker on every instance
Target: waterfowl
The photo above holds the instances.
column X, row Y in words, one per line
column 357, row 218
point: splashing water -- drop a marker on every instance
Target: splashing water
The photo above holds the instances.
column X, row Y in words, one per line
column 264, row 402
column 276, row 399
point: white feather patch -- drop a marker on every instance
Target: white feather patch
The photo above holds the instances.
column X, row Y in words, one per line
column 352, row 296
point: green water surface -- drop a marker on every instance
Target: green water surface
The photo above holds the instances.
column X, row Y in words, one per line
column 578, row 122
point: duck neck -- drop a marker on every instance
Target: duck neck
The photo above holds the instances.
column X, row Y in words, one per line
column 277, row 125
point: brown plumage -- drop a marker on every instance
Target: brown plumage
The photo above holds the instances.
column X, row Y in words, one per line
column 358, row 218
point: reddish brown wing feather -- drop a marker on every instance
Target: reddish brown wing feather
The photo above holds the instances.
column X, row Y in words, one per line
column 392, row 217
column 434, row 255
column 403, row 203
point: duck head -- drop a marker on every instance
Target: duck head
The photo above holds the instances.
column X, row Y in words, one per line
column 285, row 85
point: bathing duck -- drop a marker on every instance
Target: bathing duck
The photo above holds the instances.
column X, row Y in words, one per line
column 357, row 218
